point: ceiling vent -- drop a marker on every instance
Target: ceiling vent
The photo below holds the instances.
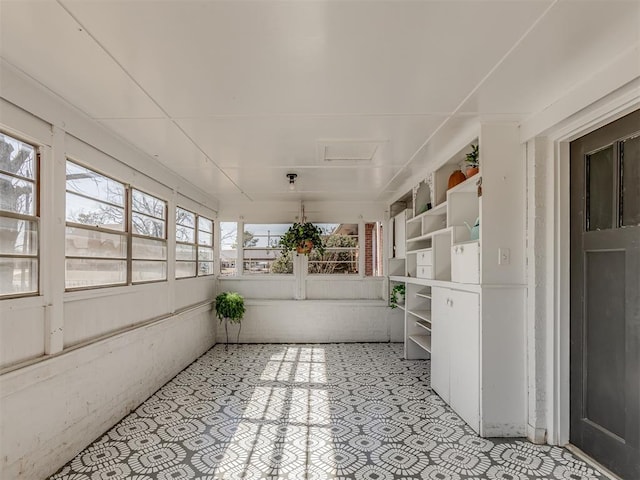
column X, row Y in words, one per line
column 347, row 151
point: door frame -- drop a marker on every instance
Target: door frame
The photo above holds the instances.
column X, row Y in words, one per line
column 558, row 327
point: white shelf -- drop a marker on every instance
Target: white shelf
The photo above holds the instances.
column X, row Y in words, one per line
column 424, row 295
column 423, row 341
column 421, row 314
column 469, row 185
column 427, row 236
column 424, row 324
column 440, row 209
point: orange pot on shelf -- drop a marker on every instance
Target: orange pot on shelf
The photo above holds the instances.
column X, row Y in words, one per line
column 471, row 171
column 455, row 178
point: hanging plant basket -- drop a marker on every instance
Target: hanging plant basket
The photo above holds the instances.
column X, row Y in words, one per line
column 302, row 237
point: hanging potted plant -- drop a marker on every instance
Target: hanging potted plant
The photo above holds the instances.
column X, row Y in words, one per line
column 230, row 308
column 473, row 162
column 302, row 237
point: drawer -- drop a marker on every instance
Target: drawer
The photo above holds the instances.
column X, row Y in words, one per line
column 425, row 257
column 424, row 271
column 465, row 263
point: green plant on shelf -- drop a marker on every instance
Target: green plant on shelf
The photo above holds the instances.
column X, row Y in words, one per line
column 397, row 295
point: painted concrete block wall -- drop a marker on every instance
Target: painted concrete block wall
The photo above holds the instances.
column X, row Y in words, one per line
column 53, row 409
column 317, row 321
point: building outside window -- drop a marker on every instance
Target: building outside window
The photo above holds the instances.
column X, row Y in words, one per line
column 19, row 218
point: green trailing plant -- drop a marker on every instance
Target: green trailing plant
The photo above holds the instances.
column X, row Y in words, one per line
column 472, row 158
column 299, row 236
column 397, row 291
column 230, row 308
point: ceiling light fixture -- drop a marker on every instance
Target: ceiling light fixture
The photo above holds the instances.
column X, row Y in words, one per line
column 292, row 180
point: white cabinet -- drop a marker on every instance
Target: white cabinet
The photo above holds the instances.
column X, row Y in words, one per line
column 465, row 263
column 464, row 387
column 455, row 352
column 472, row 324
column 440, row 344
column 399, row 234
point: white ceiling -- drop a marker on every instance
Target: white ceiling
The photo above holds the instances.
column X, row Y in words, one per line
column 235, row 94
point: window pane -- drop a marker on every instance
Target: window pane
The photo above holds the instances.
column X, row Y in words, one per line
column 87, row 182
column 92, row 243
column 631, row 182
column 143, row 225
column 600, row 190
column 148, row 271
column 205, row 238
column 17, row 195
column 18, row 237
column 228, row 244
column 205, row 254
column 81, row 272
column 18, row 276
column 205, row 225
column 147, row 249
column 205, row 268
column 148, row 204
column 341, row 250
column 16, row 157
column 91, row 212
column 185, row 269
column 185, row 218
column 184, row 234
column 185, row 252
column 263, row 234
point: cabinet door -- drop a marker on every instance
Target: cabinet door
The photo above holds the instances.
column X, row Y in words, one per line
column 400, row 237
column 465, row 356
column 440, row 342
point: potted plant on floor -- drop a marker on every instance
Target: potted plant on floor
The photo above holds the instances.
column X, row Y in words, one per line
column 302, row 237
column 230, row 308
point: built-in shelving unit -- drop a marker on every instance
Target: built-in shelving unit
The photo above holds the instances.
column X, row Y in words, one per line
column 464, row 309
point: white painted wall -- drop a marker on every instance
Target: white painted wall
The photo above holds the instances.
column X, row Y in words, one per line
column 317, row 321
column 53, row 409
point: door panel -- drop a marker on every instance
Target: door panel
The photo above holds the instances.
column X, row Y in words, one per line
column 440, row 342
column 605, row 295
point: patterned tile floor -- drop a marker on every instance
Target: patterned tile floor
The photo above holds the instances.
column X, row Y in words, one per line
column 337, row 411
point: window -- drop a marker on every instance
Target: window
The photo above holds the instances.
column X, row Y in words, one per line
column 19, row 223
column 96, row 237
column 98, row 234
column 228, row 247
column 205, row 246
column 260, row 244
column 341, row 250
column 194, row 244
column 149, row 240
column 185, row 243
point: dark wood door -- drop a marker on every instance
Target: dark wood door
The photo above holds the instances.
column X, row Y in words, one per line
column 605, row 295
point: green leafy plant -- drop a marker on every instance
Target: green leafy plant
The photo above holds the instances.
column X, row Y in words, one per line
column 230, row 308
column 472, row 158
column 397, row 291
column 302, row 237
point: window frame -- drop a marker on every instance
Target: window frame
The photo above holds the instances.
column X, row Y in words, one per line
column 196, row 245
column 356, row 252
column 27, row 218
column 240, row 241
column 126, row 234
